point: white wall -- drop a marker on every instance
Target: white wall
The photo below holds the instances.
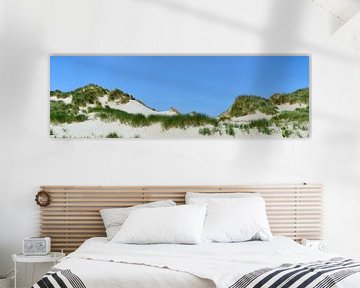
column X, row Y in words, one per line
column 32, row 30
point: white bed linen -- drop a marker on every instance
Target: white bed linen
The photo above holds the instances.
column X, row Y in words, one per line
column 101, row 274
column 98, row 263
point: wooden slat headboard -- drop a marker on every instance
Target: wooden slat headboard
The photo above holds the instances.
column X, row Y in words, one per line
column 73, row 215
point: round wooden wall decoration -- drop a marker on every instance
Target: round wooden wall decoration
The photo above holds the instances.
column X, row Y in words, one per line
column 42, row 198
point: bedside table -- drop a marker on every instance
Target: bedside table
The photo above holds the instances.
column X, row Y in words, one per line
column 320, row 245
column 53, row 257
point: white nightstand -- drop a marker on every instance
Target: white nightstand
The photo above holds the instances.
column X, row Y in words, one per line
column 320, row 245
column 53, row 257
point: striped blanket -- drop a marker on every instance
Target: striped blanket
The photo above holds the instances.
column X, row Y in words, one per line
column 57, row 278
column 320, row 274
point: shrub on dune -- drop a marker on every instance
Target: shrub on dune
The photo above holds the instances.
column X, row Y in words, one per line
column 113, row 135
column 262, row 125
column 65, row 113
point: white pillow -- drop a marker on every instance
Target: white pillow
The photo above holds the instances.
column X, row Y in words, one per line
column 236, row 220
column 113, row 218
column 180, row 224
column 204, row 198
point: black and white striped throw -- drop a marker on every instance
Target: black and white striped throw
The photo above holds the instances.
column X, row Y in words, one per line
column 320, row 274
column 58, row 278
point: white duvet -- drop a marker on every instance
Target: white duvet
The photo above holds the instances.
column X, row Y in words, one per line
column 100, row 263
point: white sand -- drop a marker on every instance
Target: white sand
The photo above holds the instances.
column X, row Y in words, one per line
column 98, row 129
column 290, row 107
column 66, row 100
column 257, row 115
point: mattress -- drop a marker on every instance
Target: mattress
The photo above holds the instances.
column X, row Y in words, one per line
column 99, row 263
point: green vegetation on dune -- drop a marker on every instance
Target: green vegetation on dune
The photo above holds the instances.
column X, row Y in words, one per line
column 139, row 120
column 245, row 105
column 249, row 104
column 299, row 115
column 229, row 129
column 65, row 113
column 182, row 120
column 120, row 96
column 59, row 94
column 292, row 121
column 298, row 96
column 287, row 123
column 262, row 125
column 113, row 135
column 205, row 131
column 91, row 89
column 88, row 94
column 110, row 115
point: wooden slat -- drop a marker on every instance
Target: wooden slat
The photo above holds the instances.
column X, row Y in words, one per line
column 73, row 216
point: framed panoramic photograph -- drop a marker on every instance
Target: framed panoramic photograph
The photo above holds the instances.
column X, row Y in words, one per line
column 179, row 96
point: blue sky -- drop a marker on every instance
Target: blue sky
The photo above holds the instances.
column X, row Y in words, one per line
column 207, row 84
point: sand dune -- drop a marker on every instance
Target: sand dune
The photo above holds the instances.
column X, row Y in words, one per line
column 133, row 106
column 94, row 127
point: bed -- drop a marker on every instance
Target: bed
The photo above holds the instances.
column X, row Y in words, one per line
column 99, row 263
column 294, row 212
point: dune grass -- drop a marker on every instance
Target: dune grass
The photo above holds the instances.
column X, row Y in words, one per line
column 205, row 131
column 65, row 113
column 88, row 94
column 120, row 96
column 59, row 94
column 229, row 129
column 298, row 96
column 299, row 116
column 113, row 135
column 248, row 104
column 139, row 120
column 182, row 120
column 262, row 125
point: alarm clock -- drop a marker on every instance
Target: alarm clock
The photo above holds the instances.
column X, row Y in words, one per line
column 36, row 246
column 320, row 245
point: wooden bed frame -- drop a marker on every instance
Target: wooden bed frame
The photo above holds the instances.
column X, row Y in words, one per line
column 73, row 215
